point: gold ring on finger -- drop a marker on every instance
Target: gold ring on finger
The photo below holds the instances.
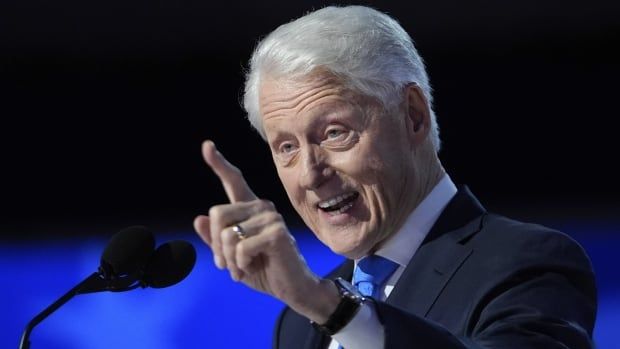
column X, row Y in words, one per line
column 241, row 234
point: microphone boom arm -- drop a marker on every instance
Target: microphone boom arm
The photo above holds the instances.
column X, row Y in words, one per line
column 93, row 283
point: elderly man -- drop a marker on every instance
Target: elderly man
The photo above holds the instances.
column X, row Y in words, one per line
column 344, row 103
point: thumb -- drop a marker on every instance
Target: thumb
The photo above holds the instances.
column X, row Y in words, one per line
column 202, row 227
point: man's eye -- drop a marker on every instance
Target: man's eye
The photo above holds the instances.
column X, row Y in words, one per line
column 334, row 133
column 286, row 148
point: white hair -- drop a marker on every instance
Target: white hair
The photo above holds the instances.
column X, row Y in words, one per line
column 366, row 49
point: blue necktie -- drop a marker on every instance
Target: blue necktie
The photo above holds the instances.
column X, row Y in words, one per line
column 371, row 273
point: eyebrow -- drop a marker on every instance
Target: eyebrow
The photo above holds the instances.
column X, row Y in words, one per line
column 323, row 113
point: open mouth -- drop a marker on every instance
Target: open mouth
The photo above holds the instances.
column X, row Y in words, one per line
column 339, row 204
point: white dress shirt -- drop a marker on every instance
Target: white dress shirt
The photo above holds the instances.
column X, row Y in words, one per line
column 365, row 331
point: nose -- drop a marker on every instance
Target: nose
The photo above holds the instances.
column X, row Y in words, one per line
column 315, row 169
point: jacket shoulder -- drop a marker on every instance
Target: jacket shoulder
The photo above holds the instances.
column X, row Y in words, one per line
column 506, row 248
column 527, row 240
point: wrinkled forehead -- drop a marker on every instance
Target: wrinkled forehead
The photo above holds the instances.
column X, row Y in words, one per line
column 271, row 86
column 293, row 91
column 295, row 94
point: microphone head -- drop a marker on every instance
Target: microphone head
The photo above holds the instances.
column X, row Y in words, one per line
column 127, row 252
column 170, row 264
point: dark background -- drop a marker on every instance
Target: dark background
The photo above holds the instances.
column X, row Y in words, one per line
column 105, row 105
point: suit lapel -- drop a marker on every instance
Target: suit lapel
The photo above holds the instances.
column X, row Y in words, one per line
column 440, row 255
column 426, row 275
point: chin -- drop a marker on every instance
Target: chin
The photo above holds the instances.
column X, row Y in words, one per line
column 352, row 250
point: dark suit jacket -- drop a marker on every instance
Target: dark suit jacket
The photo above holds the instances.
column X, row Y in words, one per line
column 479, row 280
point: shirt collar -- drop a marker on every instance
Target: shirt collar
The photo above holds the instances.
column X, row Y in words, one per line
column 403, row 245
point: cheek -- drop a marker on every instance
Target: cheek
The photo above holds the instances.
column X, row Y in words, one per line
column 295, row 193
column 365, row 166
column 287, row 178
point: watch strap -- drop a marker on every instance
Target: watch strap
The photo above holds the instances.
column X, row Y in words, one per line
column 349, row 305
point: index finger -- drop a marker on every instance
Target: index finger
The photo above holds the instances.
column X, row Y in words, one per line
column 235, row 186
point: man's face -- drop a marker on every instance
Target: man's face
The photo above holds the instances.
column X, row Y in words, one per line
column 346, row 166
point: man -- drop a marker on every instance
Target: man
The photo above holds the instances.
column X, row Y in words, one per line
column 343, row 101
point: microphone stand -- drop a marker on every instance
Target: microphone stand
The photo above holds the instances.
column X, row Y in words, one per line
column 94, row 283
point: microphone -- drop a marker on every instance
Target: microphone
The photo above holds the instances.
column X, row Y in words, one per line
column 126, row 255
column 128, row 261
column 170, row 264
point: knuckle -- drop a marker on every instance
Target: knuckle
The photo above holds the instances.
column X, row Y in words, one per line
column 236, row 176
column 272, row 240
column 270, row 217
column 227, row 236
column 215, row 212
column 243, row 262
column 234, row 169
column 241, row 249
column 277, row 234
column 277, row 219
column 267, row 204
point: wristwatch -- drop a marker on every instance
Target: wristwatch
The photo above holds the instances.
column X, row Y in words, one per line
column 350, row 301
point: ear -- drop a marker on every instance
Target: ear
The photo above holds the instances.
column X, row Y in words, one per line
column 418, row 114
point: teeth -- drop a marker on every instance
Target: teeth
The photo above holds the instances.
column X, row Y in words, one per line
column 334, row 201
column 343, row 209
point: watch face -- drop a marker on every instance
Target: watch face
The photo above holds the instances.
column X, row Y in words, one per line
column 348, row 290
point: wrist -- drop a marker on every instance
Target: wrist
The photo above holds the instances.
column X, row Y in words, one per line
column 319, row 302
column 350, row 303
